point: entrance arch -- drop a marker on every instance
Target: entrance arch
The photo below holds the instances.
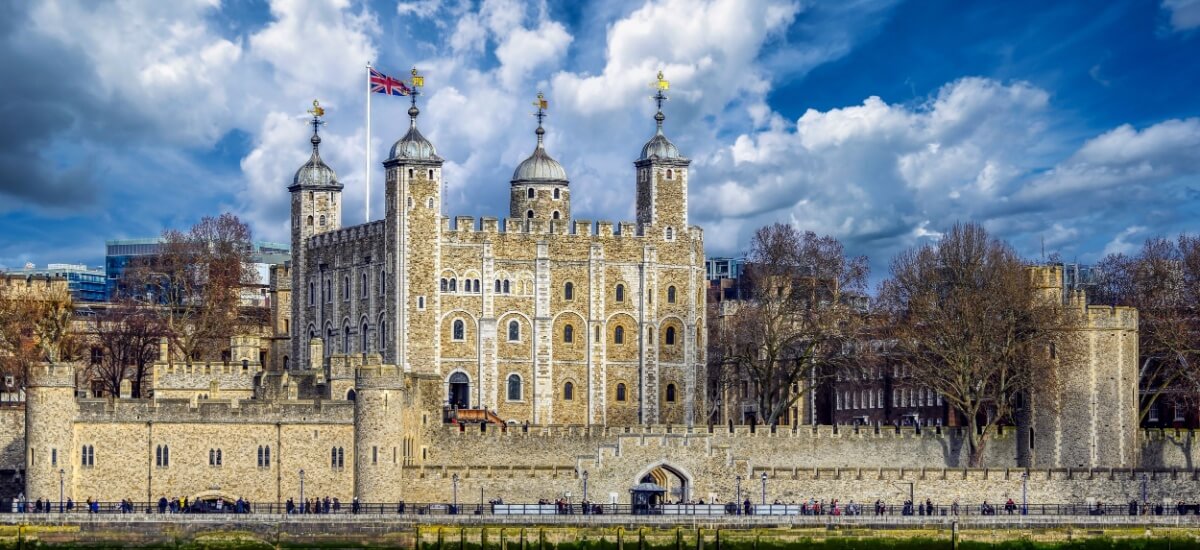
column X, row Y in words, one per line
column 674, row 479
column 459, row 390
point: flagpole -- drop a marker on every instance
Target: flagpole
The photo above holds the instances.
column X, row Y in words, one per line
column 367, row 200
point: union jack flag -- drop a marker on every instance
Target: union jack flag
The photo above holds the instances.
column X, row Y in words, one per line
column 384, row 84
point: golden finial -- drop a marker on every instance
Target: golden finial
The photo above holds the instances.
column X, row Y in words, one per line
column 417, row 80
column 317, row 110
column 662, row 84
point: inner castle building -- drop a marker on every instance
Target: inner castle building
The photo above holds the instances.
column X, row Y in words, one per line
column 526, row 358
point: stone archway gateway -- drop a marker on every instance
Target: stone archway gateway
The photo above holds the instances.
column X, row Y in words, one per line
column 674, row 480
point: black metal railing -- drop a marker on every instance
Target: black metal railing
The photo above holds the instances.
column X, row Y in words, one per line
column 578, row 509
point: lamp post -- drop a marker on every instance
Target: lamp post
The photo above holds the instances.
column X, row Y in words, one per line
column 301, row 491
column 454, row 481
column 1145, row 480
column 764, row 488
column 61, row 474
column 585, row 476
column 738, row 498
column 1024, row 493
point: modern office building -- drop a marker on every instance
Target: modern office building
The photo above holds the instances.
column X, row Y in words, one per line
column 85, row 284
column 120, row 254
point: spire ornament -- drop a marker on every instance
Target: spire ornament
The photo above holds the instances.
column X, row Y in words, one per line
column 660, row 85
column 417, row 82
column 317, row 113
column 542, row 105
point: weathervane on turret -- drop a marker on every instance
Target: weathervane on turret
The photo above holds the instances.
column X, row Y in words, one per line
column 660, row 85
column 542, row 105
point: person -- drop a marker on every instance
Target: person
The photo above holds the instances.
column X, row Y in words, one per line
column 290, row 506
column 1133, row 507
column 400, row 507
column 747, row 507
column 354, row 505
column 954, row 507
column 1010, row 507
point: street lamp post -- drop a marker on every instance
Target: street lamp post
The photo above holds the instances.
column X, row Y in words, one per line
column 1145, row 480
column 764, row 488
column 61, row 474
column 454, row 481
column 1024, row 493
column 302, row 491
column 737, row 499
column 585, row 476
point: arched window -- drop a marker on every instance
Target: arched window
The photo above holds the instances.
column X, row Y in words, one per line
column 346, row 287
column 310, row 220
column 366, row 344
column 568, row 334
column 351, row 395
column 312, row 293
column 333, row 458
column 260, row 456
column 514, row 387
column 285, row 362
column 514, row 331
column 459, row 330
column 569, row 291
column 557, row 194
column 529, row 193
column 650, row 336
column 212, row 457
column 529, row 214
column 267, row 456
column 670, row 295
column 383, row 340
column 382, row 282
column 619, row 335
column 362, row 288
column 453, row 285
column 346, row 338
column 620, row 392
column 410, row 173
column 506, row 286
column 568, row 391
column 430, row 173
column 670, row 233
column 620, row 293
column 429, row 202
column 555, row 215
column 670, row 393
column 670, row 174
column 669, row 338
column 497, row 291
column 322, row 220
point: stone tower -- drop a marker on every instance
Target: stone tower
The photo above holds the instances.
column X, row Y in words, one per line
column 662, row 173
column 414, row 215
column 50, row 447
column 1085, row 413
column 539, row 185
column 316, row 208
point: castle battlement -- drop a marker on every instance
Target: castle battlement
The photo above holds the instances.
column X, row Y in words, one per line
column 214, row 411
column 346, row 235
column 464, row 225
column 52, row 375
column 723, row 432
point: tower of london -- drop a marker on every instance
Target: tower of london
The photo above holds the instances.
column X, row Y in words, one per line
column 537, row 318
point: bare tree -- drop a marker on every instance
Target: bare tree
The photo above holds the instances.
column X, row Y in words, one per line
column 1163, row 282
column 197, row 281
column 35, row 326
column 128, row 333
column 970, row 324
column 803, row 307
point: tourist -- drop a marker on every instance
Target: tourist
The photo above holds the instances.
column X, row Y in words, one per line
column 400, row 507
column 70, row 504
column 1010, row 507
column 954, row 507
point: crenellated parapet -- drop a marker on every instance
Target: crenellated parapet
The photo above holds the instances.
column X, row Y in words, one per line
column 347, row 235
column 53, row 375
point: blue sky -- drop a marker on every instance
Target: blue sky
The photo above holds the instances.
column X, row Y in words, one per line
column 1072, row 124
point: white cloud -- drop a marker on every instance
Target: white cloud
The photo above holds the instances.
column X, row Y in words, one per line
column 1183, row 14
column 1123, row 242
